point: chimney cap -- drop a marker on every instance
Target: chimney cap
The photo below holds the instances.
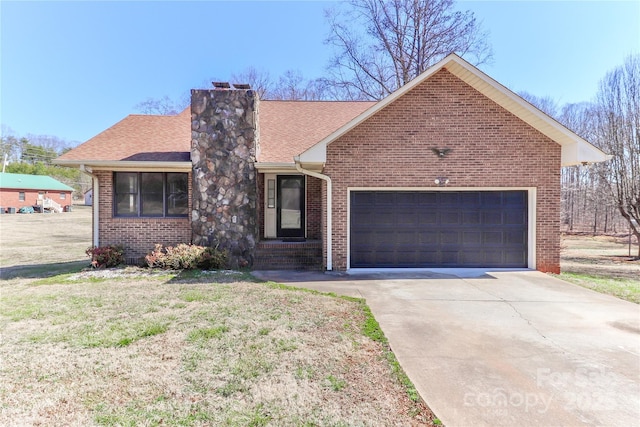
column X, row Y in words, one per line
column 221, row 85
column 242, row 86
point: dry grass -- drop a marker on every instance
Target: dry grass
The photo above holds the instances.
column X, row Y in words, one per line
column 173, row 350
column 43, row 239
column 602, row 263
column 127, row 347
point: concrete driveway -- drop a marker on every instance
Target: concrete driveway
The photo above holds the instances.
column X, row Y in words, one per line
column 503, row 348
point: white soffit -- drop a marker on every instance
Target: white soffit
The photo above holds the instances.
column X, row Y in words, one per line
column 575, row 150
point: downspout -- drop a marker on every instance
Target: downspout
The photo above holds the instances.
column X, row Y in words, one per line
column 329, row 208
column 95, row 205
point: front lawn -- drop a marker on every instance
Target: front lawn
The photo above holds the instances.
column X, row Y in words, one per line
column 126, row 347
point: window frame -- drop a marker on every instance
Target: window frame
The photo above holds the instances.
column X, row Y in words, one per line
column 22, row 196
column 139, row 196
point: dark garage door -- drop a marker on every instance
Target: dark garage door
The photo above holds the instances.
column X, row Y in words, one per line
column 438, row 229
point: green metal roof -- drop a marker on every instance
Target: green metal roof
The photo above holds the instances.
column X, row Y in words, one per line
column 31, row 182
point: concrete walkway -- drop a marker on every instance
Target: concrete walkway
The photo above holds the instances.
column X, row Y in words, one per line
column 503, row 348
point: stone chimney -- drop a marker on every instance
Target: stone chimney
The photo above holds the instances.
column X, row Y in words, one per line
column 224, row 142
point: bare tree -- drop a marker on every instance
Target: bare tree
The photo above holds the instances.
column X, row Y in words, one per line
column 164, row 106
column 617, row 132
column 383, row 44
column 260, row 80
column 546, row 104
column 293, row 86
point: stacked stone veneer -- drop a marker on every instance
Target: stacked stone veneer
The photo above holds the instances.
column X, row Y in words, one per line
column 224, row 141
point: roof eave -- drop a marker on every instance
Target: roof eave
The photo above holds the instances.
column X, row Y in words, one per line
column 584, row 152
column 123, row 165
column 275, row 167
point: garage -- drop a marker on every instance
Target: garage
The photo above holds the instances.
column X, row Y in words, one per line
column 429, row 229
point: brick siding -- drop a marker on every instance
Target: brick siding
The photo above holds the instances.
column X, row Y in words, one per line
column 490, row 148
column 314, row 208
column 137, row 235
column 10, row 198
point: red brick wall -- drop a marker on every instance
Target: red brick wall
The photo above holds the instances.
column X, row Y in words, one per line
column 314, row 208
column 10, row 198
column 490, row 148
column 137, row 235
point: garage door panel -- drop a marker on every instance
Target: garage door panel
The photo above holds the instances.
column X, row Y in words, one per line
column 427, row 217
column 471, row 238
column 492, row 238
column 515, row 218
column 471, row 218
column 438, row 229
column 449, row 238
column 515, row 238
column 428, row 237
column 404, row 238
column 450, row 217
column 514, row 198
column 473, row 258
column 493, row 217
column 493, row 257
column 407, row 218
column 515, row 258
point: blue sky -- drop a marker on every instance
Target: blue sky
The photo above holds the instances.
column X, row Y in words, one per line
column 72, row 69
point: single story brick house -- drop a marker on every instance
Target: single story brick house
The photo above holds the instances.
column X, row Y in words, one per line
column 18, row 190
column 451, row 170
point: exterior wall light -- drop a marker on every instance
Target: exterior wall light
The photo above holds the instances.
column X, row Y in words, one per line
column 441, row 152
column 441, row 181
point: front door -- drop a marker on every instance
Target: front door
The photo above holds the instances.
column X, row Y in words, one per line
column 290, row 207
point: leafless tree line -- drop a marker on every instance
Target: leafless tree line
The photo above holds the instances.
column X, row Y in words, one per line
column 604, row 197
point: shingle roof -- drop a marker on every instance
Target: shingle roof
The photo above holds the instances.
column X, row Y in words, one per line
column 287, row 128
column 139, row 138
column 20, row 181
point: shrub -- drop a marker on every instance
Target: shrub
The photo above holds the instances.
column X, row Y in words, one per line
column 186, row 257
column 106, row 256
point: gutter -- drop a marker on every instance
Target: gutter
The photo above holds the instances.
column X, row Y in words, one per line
column 327, row 179
column 95, row 185
column 126, row 165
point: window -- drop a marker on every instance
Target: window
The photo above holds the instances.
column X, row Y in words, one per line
column 271, row 193
column 150, row 194
column 21, row 196
column 63, row 196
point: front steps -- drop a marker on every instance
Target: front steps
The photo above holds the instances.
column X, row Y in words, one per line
column 281, row 255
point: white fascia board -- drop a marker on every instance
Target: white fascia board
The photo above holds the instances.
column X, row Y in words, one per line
column 128, row 166
column 498, row 93
column 575, row 150
column 275, row 167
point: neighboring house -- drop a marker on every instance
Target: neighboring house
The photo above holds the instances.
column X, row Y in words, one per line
column 88, row 197
column 18, row 190
column 451, row 170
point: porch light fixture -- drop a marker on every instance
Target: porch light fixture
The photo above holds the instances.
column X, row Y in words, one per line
column 441, row 181
column 441, row 152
